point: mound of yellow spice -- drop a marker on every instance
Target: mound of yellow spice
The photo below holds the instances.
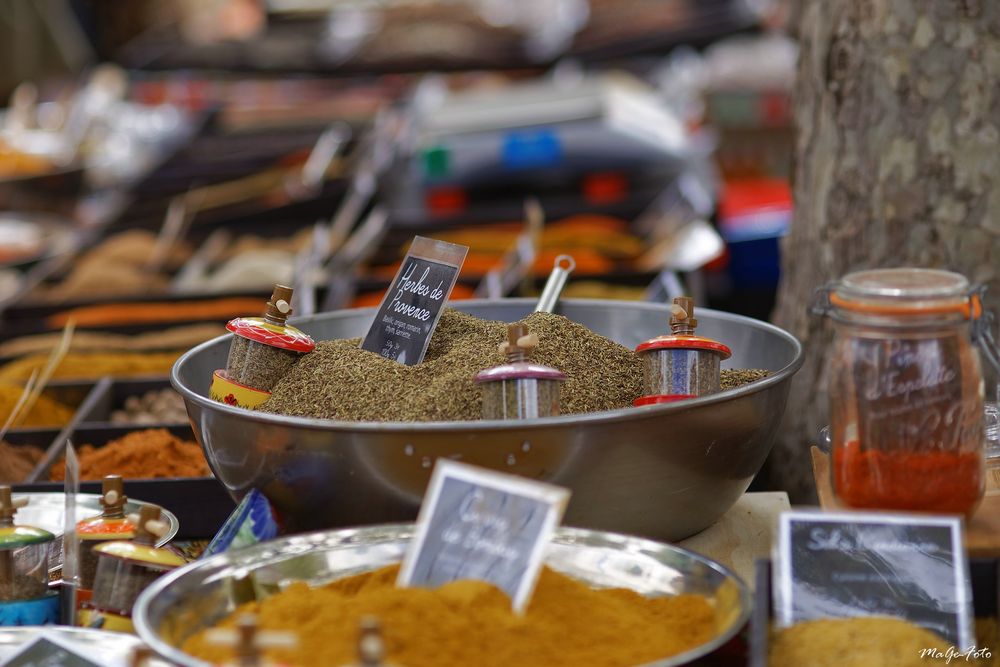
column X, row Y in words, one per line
column 45, row 412
column 567, row 624
column 858, row 642
column 79, row 365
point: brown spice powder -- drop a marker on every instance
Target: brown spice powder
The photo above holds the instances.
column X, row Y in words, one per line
column 17, row 461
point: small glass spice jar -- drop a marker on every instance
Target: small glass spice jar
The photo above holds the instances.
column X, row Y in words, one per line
column 265, row 348
column 125, row 570
column 110, row 525
column 906, row 391
column 25, row 598
column 519, row 389
column 680, row 365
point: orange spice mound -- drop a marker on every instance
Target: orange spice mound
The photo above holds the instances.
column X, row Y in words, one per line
column 110, row 314
column 140, row 455
column 568, row 624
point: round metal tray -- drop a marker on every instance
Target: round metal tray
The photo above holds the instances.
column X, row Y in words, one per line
column 665, row 471
column 47, row 511
column 111, row 649
column 195, row 597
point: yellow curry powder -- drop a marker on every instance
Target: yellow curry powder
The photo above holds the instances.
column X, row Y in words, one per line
column 45, row 411
column 93, row 365
column 869, row 641
column 568, row 624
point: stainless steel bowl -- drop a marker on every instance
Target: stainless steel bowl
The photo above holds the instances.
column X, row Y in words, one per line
column 197, row 596
column 666, row 471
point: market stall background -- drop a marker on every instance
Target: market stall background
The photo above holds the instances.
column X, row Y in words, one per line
column 164, row 165
column 317, row 169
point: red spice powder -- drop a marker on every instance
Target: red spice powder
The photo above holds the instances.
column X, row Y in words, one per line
column 151, row 453
column 944, row 482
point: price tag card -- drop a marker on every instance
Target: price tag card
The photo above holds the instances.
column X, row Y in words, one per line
column 412, row 306
column 47, row 651
column 480, row 524
column 847, row 564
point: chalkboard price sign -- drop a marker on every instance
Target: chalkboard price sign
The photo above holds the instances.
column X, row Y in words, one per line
column 480, row 524
column 48, row 652
column 846, row 564
column 412, row 306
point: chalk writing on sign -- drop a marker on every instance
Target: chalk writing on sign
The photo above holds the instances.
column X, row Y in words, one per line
column 410, row 310
column 846, row 564
column 480, row 524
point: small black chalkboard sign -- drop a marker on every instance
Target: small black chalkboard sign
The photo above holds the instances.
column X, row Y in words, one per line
column 846, row 564
column 48, row 652
column 480, row 524
column 412, row 306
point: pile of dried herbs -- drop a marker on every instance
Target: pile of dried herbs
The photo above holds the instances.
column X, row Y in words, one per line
column 731, row 378
column 341, row 381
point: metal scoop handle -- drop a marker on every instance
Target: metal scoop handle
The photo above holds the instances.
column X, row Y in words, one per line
column 561, row 269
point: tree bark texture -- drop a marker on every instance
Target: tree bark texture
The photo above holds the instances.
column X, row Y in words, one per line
column 897, row 163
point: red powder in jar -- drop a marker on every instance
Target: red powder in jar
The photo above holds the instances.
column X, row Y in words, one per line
column 941, row 482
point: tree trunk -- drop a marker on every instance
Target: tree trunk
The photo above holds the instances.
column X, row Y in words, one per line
column 897, row 163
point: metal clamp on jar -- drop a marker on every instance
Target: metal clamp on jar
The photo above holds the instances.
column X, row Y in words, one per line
column 262, row 351
column 682, row 364
column 906, row 390
column 124, row 570
column 25, row 598
column 520, row 389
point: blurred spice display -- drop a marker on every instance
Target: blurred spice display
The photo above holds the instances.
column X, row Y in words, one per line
column 159, row 406
column 93, row 365
column 116, row 267
column 45, row 411
column 152, row 453
column 175, row 338
column 17, row 461
column 567, row 624
column 599, row 244
column 152, row 312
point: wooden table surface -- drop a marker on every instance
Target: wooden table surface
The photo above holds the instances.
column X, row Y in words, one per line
column 982, row 531
column 743, row 535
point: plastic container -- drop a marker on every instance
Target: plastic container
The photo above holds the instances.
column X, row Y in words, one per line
column 906, row 391
column 25, row 598
column 265, row 348
column 680, row 365
column 124, row 570
column 520, row 389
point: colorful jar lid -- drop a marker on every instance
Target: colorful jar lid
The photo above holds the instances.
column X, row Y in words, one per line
column 520, row 370
column 685, row 342
column 14, row 537
column 100, row 528
column 141, row 554
column 282, row 336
